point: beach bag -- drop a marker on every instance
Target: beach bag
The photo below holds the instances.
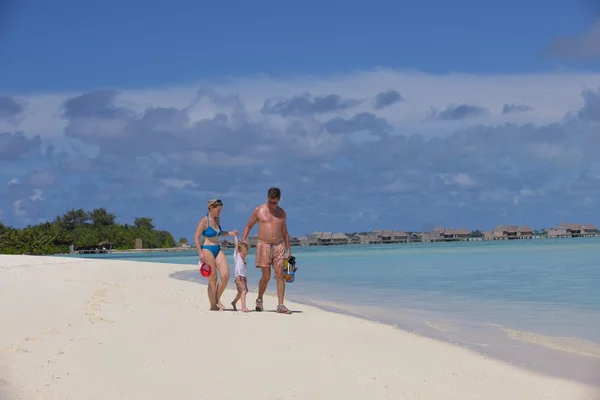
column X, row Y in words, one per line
column 289, row 269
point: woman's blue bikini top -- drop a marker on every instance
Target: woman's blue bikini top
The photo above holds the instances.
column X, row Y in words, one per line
column 210, row 231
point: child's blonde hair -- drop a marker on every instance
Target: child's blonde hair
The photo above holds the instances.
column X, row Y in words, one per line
column 242, row 246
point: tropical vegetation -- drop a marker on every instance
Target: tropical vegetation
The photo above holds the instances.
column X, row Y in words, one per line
column 83, row 230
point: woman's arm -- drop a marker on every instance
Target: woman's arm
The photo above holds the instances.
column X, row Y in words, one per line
column 199, row 229
column 227, row 233
column 235, row 245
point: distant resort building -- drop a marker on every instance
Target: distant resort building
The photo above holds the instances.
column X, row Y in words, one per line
column 445, row 235
column 572, row 230
column 382, row 236
column 327, row 239
column 373, row 237
column 502, row 232
column 294, row 241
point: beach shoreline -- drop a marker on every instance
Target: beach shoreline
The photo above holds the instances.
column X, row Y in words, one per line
column 146, row 335
column 567, row 357
column 570, row 358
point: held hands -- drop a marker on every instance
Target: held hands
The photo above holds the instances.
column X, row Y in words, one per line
column 233, row 232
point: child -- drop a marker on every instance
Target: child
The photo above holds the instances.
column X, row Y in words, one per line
column 239, row 257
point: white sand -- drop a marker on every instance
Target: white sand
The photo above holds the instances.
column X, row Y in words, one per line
column 82, row 329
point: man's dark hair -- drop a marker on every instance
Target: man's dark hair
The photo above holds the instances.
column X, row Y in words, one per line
column 274, row 193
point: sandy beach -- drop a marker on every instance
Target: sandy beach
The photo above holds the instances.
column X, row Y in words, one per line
column 98, row 329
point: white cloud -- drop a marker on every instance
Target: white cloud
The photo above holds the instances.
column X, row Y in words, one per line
column 38, row 195
column 218, row 143
column 178, row 183
column 550, row 95
column 462, row 180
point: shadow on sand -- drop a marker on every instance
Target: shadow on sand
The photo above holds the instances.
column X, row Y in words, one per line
column 192, row 275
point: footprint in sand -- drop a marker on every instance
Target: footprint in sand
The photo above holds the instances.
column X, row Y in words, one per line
column 45, row 332
column 13, row 349
column 97, row 299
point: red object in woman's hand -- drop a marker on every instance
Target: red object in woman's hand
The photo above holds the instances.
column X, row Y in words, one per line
column 205, row 270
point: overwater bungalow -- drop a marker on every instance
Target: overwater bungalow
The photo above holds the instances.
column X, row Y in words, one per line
column 399, row 237
column 502, row 232
column 383, row 236
column 374, row 237
column 445, row 235
column 339, row 239
column 252, row 240
column 380, row 236
column 299, row 241
column 572, row 230
column 328, row 239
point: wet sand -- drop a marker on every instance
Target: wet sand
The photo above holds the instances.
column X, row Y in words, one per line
column 568, row 358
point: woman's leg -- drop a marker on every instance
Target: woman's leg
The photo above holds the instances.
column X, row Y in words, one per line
column 223, row 267
column 212, row 279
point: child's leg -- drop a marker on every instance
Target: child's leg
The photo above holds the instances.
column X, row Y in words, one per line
column 244, row 290
column 243, row 295
column 237, row 297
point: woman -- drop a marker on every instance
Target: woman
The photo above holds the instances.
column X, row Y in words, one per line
column 210, row 252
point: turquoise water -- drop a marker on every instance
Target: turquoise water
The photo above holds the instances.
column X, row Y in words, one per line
column 535, row 303
column 546, row 286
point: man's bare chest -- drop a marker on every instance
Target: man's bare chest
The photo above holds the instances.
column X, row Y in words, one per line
column 269, row 219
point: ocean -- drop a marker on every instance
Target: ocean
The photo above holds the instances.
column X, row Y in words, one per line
column 533, row 303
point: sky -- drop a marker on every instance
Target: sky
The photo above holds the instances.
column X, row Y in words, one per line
column 367, row 115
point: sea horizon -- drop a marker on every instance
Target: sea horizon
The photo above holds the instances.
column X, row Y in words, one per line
column 526, row 302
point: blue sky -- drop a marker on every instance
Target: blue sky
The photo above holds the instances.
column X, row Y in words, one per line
column 368, row 115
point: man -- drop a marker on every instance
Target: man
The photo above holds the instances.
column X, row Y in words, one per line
column 272, row 247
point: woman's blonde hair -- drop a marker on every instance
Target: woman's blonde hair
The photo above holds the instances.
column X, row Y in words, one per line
column 214, row 203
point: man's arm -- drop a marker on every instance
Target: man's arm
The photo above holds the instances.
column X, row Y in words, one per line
column 285, row 234
column 251, row 222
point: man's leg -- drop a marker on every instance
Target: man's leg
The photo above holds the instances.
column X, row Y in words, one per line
column 263, row 261
column 264, row 281
column 280, row 283
column 278, row 256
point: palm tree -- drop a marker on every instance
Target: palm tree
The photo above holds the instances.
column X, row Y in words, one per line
column 100, row 216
